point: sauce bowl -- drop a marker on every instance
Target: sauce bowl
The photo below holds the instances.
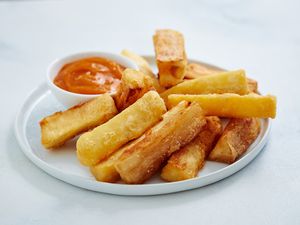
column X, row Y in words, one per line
column 69, row 99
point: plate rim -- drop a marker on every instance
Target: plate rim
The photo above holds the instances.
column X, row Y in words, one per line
column 125, row 189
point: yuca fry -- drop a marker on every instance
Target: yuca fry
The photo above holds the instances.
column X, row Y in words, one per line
column 170, row 56
column 238, row 135
column 101, row 142
column 252, row 85
column 187, row 161
column 224, row 82
column 56, row 129
column 140, row 61
column 195, row 70
column 144, row 67
column 134, row 84
column 144, row 157
column 105, row 171
column 231, row 105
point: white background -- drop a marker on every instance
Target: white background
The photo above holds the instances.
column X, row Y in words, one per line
column 261, row 36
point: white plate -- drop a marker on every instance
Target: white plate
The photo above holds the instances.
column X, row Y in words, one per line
column 63, row 164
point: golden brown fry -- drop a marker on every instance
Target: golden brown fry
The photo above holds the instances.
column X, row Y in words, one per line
column 238, row 135
column 231, row 105
column 196, row 70
column 252, row 85
column 56, row 129
column 144, row 157
column 105, row 171
column 134, row 84
column 144, row 67
column 224, row 82
column 170, row 56
column 101, row 142
column 186, row 162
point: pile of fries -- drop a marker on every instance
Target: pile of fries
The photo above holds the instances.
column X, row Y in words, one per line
column 168, row 123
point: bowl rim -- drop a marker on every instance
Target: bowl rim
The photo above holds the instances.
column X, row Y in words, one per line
column 60, row 62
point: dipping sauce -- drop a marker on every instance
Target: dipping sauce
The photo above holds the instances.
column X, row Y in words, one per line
column 93, row 75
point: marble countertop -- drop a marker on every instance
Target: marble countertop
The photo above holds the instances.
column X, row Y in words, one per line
column 263, row 37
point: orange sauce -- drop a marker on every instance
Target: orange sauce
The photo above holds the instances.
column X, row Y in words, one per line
column 93, row 75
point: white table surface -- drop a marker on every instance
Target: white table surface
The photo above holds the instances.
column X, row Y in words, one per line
column 262, row 37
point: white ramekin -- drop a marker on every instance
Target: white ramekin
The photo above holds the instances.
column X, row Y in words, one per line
column 69, row 99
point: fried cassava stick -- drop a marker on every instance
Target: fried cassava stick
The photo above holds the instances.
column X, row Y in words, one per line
column 145, row 156
column 187, row 161
column 224, row 82
column 238, row 135
column 231, row 105
column 170, row 56
column 101, row 142
column 62, row 126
